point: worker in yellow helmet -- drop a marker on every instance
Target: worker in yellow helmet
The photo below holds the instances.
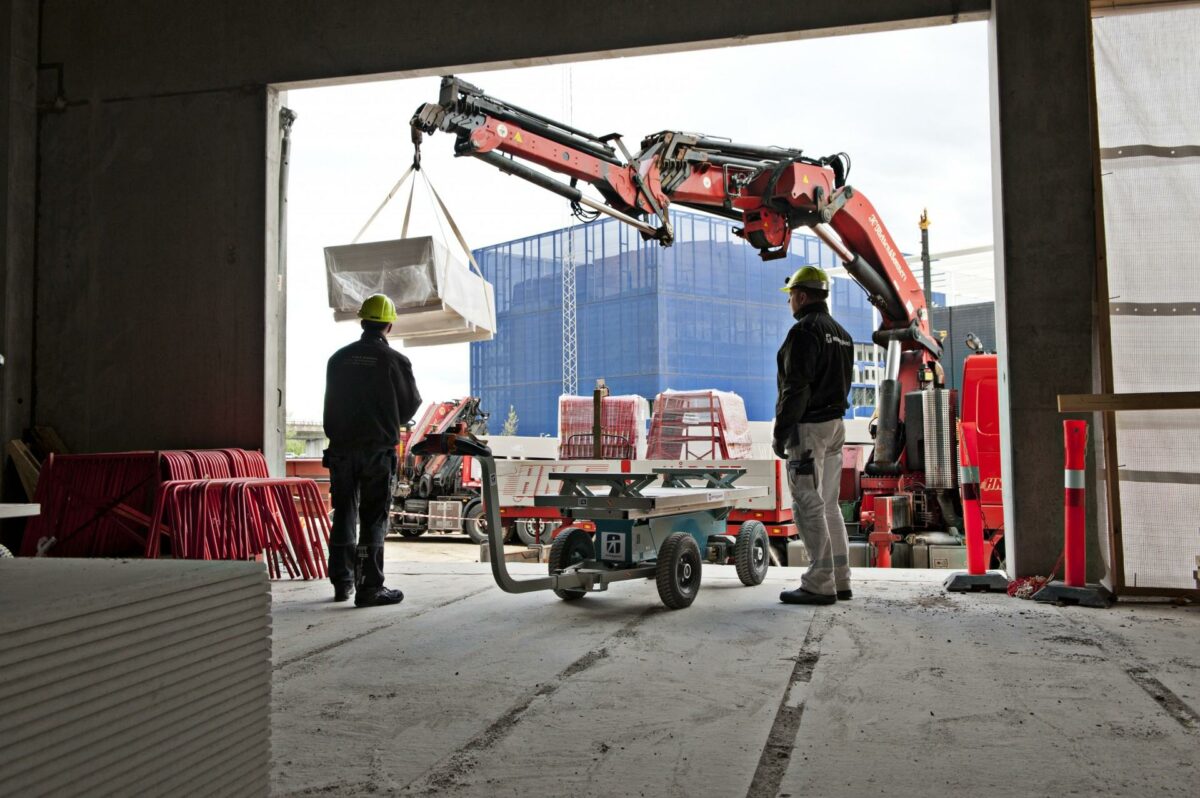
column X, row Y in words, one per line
column 815, row 366
column 369, row 393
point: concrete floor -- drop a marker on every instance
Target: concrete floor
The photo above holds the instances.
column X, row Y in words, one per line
column 466, row 691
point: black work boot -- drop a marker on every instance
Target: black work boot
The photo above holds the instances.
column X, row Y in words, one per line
column 342, row 567
column 371, row 592
column 382, row 597
column 845, row 595
column 343, row 591
column 802, row 596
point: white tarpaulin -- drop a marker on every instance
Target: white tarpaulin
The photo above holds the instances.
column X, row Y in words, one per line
column 1147, row 84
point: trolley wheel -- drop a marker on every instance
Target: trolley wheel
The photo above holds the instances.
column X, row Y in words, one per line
column 572, row 546
column 410, row 533
column 752, row 553
column 677, row 572
column 475, row 522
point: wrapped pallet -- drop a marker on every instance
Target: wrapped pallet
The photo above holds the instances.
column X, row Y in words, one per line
column 439, row 300
column 622, row 427
column 699, row 425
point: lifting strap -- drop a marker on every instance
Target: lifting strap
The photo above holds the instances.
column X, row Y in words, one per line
column 462, row 242
column 407, row 174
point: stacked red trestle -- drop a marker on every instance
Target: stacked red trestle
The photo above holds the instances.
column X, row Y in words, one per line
column 218, row 504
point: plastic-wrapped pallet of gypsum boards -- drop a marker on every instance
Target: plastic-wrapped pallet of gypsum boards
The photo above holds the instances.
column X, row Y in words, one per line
column 438, row 298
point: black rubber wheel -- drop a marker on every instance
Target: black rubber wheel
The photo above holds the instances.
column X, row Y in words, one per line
column 475, row 522
column 677, row 572
column 410, row 533
column 572, row 546
column 752, row 553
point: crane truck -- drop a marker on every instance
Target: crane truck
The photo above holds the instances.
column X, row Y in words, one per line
column 909, row 483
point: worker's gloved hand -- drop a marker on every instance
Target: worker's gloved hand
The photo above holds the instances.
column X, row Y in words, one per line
column 779, row 449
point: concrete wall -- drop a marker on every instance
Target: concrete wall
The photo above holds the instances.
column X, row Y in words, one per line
column 18, row 125
column 1045, row 235
column 155, row 190
column 151, row 271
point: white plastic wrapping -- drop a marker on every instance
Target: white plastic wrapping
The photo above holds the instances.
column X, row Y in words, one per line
column 438, row 298
column 1147, row 81
column 700, row 419
column 622, row 417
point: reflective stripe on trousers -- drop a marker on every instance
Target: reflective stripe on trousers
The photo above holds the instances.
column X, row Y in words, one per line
column 815, row 478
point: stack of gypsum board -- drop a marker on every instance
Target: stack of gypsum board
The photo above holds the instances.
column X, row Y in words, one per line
column 134, row 677
column 439, row 300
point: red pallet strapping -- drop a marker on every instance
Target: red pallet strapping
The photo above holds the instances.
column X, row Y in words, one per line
column 621, row 421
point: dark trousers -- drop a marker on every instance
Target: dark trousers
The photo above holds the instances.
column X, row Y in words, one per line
column 360, row 487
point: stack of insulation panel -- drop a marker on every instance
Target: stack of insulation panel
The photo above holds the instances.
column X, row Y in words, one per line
column 134, row 678
column 438, row 299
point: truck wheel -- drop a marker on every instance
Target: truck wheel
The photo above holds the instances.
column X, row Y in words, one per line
column 752, row 553
column 475, row 522
column 572, row 546
column 531, row 531
column 677, row 572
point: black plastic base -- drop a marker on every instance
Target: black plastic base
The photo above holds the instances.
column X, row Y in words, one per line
column 1059, row 593
column 963, row 582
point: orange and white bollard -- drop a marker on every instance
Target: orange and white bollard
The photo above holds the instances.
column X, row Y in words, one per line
column 1074, row 509
column 968, row 457
column 1074, row 589
column 977, row 577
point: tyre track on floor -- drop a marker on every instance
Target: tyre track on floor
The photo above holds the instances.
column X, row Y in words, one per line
column 396, row 620
column 781, row 740
column 451, row 772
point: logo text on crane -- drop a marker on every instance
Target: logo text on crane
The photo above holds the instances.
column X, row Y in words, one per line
column 887, row 246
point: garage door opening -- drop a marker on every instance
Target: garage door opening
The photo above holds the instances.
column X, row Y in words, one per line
column 916, row 131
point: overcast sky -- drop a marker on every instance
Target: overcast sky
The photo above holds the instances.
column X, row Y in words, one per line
column 910, row 107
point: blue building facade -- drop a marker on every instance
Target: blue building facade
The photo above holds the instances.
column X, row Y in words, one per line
column 704, row 313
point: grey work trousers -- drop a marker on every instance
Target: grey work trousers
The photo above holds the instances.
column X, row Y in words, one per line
column 815, row 478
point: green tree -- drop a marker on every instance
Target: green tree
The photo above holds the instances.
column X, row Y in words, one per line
column 510, row 423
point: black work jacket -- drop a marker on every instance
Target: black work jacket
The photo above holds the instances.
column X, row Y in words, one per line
column 369, row 393
column 815, row 366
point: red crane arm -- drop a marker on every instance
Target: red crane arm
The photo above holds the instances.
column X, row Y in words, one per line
column 770, row 190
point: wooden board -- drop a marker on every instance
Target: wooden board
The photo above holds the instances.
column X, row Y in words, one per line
column 1115, row 402
column 27, row 466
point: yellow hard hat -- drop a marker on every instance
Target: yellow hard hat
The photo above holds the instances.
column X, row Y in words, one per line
column 807, row 277
column 377, row 307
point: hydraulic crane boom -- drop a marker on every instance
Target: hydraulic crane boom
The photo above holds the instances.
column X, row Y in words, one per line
column 770, row 190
